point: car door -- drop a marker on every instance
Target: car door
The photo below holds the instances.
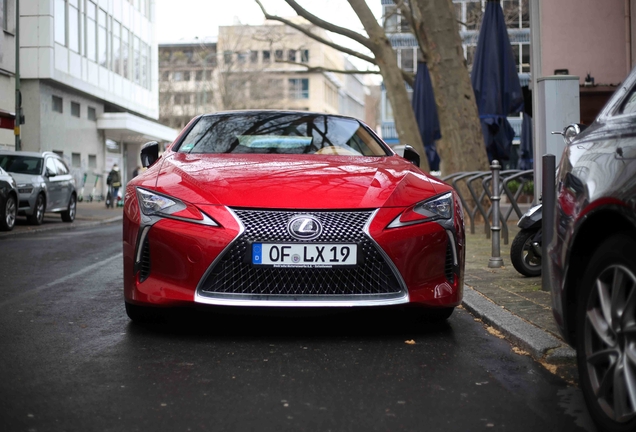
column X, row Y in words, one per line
column 53, row 184
column 64, row 179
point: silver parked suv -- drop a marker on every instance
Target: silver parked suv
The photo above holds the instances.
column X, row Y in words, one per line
column 44, row 182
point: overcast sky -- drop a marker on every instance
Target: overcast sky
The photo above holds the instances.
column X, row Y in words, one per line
column 186, row 19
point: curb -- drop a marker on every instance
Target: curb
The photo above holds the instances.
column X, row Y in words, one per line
column 541, row 345
column 60, row 226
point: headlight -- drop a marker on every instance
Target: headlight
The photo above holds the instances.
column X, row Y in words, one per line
column 436, row 208
column 155, row 204
column 25, row 188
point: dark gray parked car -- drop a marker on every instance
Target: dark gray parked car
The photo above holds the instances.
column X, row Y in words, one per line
column 8, row 201
column 591, row 260
column 44, row 182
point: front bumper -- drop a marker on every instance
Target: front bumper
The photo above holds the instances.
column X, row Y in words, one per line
column 173, row 262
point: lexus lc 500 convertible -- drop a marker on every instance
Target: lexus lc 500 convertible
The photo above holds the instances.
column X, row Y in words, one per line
column 282, row 208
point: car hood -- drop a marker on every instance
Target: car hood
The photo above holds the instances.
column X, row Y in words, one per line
column 294, row 181
column 26, row 178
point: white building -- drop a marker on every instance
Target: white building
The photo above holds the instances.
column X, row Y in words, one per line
column 89, row 81
column 7, row 74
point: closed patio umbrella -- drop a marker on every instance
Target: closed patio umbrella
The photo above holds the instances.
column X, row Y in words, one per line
column 425, row 110
column 496, row 83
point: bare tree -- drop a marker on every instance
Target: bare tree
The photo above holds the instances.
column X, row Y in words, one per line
column 434, row 25
column 383, row 56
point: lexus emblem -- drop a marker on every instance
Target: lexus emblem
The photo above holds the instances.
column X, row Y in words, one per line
column 304, row 227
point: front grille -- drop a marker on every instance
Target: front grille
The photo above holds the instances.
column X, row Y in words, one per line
column 233, row 273
column 144, row 263
column 449, row 266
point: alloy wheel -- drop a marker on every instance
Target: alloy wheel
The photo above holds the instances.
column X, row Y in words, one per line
column 10, row 212
column 72, row 207
column 610, row 342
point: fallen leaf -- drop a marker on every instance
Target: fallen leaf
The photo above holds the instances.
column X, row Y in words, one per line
column 520, row 351
column 410, row 342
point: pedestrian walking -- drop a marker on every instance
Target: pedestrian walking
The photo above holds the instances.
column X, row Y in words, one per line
column 114, row 183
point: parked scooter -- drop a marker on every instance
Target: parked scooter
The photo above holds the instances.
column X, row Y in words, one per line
column 525, row 251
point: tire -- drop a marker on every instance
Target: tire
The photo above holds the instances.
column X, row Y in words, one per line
column 69, row 214
column 8, row 212
column 606, row 335
column 38, row 211
column 522, row 254
column 144, row 314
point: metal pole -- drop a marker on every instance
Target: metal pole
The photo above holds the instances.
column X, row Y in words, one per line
column 495, row 260
column 548, row 199
column 18, row 95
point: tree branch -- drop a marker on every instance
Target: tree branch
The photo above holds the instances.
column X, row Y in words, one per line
column 327, row 25
column 316, row 37
column 311, row 69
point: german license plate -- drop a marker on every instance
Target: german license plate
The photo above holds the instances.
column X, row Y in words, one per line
column 304, row 254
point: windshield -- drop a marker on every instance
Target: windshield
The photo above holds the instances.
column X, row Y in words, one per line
column 280, row 133
column 21, row 164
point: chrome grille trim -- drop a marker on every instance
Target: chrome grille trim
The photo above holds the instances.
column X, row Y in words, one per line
column 303, row 300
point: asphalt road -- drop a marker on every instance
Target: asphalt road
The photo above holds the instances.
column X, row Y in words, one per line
column 72, row 361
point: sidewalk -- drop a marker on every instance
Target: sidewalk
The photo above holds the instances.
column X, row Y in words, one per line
column 513, row 304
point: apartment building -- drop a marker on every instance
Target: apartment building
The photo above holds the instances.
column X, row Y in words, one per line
column 270, row 66
column 89, row 81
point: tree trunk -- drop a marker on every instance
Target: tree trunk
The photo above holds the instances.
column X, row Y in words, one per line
column 405, row 122
column 462, row 145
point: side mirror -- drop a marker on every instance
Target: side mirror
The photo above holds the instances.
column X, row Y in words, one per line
column 411, row 155
column 570, row 132
column 49, row 173
column 149, row 153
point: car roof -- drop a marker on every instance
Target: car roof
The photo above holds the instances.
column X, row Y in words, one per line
column 30, row 153
column 274, row 111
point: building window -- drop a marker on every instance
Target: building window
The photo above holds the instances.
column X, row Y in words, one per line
column 115, row 63
column 5, row 14
column 299, row 88
column 208, row 75
column 291, row 55
column 58, row 104
column 278, row 55
column 473, row 15
column 177, row 76
column 73, row 26
column 60, row 22
column 267, row 56
column 227, row 57
column 186, row 76
column 304, row 56
column 91, row 31
column 406, row 60
column 253, row 57
column 76, row 160
column 92, row 161
column 102, row 48
column 125, row 53
column 75, row 109
column 92, row 113
column 198, row 76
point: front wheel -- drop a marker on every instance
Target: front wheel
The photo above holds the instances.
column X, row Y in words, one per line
column 523, row 255
column 38, row 211
column 606, row 335
column 8, row 212
column 69, row 214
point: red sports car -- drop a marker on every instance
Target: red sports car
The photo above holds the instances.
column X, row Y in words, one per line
column 281, row 208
